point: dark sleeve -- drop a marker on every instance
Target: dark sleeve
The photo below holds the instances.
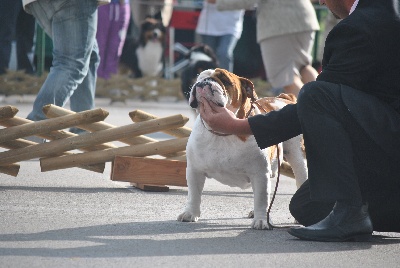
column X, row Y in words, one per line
column 276, row 126
column 350, row 58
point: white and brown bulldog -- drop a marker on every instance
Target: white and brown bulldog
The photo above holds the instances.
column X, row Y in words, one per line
column 232, row 160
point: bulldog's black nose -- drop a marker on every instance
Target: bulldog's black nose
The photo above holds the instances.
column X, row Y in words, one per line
column 202, row 84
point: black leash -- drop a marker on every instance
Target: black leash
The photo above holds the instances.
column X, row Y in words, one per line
column 276, row 189
column 272, row 226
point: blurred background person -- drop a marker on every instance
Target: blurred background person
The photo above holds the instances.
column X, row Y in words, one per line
column 72, row 25
column 286, row 33
column 221, row 31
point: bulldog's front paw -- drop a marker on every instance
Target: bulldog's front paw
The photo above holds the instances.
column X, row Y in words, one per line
column 188, row 217
column 261, row 224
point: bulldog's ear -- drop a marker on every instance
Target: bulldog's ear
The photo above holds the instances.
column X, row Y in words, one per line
column 248, row 88
column 248, row 95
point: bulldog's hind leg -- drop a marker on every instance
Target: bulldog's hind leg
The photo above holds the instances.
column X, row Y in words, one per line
column 294, row 155
column 195, row 181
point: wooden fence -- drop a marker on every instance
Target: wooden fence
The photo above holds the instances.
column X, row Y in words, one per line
column 95, row 146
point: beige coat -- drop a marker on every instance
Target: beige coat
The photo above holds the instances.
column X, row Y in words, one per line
column 277, row 17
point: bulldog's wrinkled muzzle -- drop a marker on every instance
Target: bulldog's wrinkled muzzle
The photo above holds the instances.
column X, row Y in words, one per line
column 204, row 88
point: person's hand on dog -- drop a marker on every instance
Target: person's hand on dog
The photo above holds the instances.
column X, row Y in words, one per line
column 222, row 120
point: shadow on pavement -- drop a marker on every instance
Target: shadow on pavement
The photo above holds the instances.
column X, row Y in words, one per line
column 169, row 238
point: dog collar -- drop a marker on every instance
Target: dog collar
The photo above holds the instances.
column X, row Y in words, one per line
column 212, row 131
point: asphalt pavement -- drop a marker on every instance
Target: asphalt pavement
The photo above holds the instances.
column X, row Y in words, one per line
column 78, row 218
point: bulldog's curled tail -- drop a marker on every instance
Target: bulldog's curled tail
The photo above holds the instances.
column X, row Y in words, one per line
column 268, row 104
column 290, row 97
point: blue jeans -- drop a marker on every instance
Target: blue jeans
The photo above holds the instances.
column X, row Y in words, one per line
column 72, row 25
column 223, row 47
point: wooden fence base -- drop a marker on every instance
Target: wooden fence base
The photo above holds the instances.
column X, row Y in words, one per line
column 149, row 173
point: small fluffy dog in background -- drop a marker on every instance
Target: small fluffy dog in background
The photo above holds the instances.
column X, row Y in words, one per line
column 201, row 57
column 145, row 57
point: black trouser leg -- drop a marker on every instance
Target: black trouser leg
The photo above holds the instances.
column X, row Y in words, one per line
column 8, row 18
column 325, row 123
column 306, row 211
column 25, row 33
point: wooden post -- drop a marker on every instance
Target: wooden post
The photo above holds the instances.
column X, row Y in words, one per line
column 11, row 169
column 89, row 139
column 53, row 111
column 53, row 135
column 140, row 116
column 15, row 144
column 21, row 143
column 141, row 150
column 49, row 125
column 7, row 112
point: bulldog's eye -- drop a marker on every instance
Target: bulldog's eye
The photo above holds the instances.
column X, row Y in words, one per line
column 226, row 83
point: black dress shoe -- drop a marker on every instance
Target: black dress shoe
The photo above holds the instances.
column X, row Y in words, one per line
column 344, row 223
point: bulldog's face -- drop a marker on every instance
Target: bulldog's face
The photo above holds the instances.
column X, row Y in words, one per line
column 223, row 88
column 207, row 87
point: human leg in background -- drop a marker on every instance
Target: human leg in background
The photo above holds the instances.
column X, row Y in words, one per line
column 304, row 71
column 211, row 41
column 8, row 18
column 113, row 24
column 72, row 26
column 329, row 136
column 83, row 97
column 25, row 32
column 103, row 29
column 294, row 88
column 307, row 74
column 287, row 60
column 227, row 44
column 223, row 47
